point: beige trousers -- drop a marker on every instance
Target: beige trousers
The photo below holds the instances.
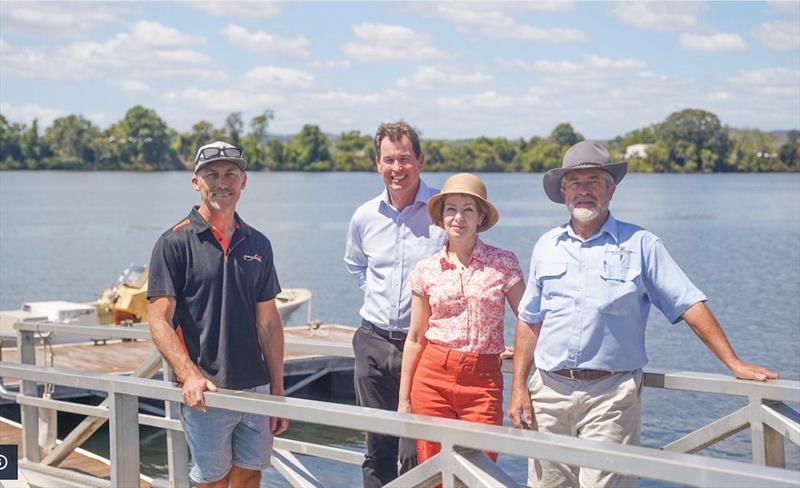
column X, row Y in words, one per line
column 607, row 409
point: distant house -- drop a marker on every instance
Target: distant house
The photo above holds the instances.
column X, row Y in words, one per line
column 636, row 151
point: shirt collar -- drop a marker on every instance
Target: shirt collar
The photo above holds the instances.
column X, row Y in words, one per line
column 424, row 193
column 478, row 255
column 610, row 227
column 199, row 224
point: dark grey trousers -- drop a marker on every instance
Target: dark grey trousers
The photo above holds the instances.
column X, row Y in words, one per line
column 377, row 384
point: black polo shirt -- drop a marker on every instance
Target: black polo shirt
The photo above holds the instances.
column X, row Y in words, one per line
column 216, row 294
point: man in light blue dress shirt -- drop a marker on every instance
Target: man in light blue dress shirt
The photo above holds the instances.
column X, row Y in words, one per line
column 583, row 315
column 387, row 236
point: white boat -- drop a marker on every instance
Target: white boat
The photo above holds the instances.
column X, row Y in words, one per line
column 123, row 303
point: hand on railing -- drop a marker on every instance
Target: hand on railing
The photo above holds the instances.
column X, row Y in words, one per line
column 747, row 371
column 192, row 389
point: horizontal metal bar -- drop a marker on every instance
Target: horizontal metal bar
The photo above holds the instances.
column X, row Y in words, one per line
column 783, row 419
column 316, row 450
column 781, row 390
column 112, row 331
column 160, row 422
column 628, row 460
column 88, row 410
column 712, row 433
column 293, row 470
column 323, row 348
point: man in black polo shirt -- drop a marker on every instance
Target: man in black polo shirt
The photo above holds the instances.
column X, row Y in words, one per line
column 211, row 288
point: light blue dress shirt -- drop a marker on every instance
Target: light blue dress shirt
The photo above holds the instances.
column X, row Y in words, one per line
column 383, row 246
column 593, row 297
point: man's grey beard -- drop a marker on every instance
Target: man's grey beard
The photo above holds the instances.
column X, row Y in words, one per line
column 582, row 214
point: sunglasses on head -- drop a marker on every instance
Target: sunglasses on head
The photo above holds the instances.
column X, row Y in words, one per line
column 213, row 152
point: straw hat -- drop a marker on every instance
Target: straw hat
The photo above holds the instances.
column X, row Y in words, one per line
column 585, row 154
column 466, row 184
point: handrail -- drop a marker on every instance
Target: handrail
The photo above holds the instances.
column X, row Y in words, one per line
column 769, row 419
column 628, row 460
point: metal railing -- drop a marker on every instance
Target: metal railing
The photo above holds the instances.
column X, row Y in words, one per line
column 459, row 462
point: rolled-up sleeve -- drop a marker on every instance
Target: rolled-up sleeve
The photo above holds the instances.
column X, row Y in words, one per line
column 530, row 307
column 669, row 289
column 354, row 258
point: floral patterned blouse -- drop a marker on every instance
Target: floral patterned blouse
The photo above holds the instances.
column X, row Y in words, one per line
column 467, row 306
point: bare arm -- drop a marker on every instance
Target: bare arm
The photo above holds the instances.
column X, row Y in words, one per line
column 270, row 336
column 706, row 327
column 514, row 295
column 520, row 410
column 193, row 383
column 412, row 349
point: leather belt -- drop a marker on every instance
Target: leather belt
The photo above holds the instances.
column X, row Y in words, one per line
column 392, row 335
column 582, row 374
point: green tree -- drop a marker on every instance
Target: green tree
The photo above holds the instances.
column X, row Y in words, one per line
column 353, row 152
column 307, row 151
column 10, row 144
column 141, row 140
column 74, row 142
column 234, row 126
column 687, row 134
column 255, row 144
column 564, row 136
column 789, row 152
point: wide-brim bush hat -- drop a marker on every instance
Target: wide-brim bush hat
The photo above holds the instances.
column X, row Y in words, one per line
column 219, row 151
column 466, row 184
column 583, row 155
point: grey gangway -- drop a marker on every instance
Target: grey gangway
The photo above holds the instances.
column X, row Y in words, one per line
column 459, row 463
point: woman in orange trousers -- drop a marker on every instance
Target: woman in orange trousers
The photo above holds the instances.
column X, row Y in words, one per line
column 451, row 358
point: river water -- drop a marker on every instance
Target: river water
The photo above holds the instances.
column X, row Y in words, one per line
column 65, row 235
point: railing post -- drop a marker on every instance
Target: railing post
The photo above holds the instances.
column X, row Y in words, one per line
column 30, row 414
column 757, row 434
column 177, row 449
column 124, row 439
column 773, row 448
column 448, row 459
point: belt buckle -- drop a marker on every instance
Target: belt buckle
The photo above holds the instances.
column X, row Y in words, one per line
column 400, row 335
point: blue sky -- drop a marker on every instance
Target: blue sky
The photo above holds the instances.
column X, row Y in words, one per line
column 452, row 69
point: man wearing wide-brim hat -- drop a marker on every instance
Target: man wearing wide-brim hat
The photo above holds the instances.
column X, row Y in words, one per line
column 583, row 315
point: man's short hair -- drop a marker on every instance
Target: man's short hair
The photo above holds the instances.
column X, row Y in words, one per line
column 395, row 131
column 608, row 176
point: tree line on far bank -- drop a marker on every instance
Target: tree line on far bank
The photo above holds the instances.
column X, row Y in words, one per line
column 688, row 141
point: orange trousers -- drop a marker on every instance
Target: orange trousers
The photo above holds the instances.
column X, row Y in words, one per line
column 456, row 385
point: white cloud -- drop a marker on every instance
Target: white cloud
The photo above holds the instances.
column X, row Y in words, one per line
column 429, row 77
column 557, row 67
column 609, row 64
column 329, row 63
column 489, row 21
column 720, row 96
column 28, row 112
column 277, row 77
column 133, row 86
column 779, row 81
column 149, row 49
column 239, row 10
column 68, row 19
column 779, row 35
column 714, row 43
column 551, row 5
column 155, row 35
column 660, row 16
column 490, row 100
column 266, row 43
column 222, row 101
column 383, row 42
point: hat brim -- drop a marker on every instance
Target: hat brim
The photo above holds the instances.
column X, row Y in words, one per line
column 240, row 162
column 552, row 179
column 436, row 202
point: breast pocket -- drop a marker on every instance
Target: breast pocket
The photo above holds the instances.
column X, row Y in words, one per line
column 620, row 291
column 547, row 274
